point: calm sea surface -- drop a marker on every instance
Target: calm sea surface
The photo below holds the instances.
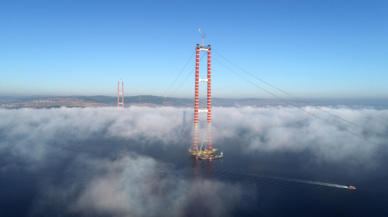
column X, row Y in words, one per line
column 278, row 183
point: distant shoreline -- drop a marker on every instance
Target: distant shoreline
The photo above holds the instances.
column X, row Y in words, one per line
column 158, row 101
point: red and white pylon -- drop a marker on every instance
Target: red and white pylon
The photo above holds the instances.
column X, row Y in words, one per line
column 196, row 101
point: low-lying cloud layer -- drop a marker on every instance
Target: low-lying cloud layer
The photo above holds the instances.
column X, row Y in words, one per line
column 291, row 129
column 130, row 184
column 135, row 185
column 27, row 132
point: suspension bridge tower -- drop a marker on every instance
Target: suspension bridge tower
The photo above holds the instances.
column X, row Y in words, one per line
column 120, row 93
column 209, row 150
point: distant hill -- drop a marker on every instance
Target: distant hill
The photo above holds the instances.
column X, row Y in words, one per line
column 141, row 99
column 156, row 101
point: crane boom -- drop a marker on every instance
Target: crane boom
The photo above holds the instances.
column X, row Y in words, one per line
column 203, row 137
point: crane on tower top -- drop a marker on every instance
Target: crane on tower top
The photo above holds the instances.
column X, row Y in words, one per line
column 203, row 37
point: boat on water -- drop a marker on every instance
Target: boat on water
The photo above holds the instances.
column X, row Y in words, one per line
column 352, row 188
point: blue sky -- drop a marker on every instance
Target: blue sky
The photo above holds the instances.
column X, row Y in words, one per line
column 311, row 49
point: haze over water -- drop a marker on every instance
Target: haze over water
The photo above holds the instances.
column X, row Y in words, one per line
column 134, row 162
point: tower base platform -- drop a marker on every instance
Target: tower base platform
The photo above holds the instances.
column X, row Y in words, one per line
column 202, row 152
column 206, row 154
column 209, row 157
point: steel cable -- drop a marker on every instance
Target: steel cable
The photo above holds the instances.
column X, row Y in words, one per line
column 179, row 74
column 289, row 103
column 379, row 134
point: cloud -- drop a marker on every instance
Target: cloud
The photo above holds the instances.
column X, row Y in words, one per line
column 30, row 134
column 134, row 185
column 290, row 129
column 33, row 135
column 125, row 183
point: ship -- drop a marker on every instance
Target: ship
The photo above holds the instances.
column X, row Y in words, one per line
column 352, row 188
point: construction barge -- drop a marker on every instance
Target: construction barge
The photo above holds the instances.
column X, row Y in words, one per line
column 209, row 157
column 205, row 154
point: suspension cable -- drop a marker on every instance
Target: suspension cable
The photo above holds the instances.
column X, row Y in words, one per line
column 185, row 79
column 379, row 134
column 341, row 128
column 179, row 74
